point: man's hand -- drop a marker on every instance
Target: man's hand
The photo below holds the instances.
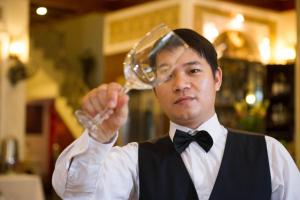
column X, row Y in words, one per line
column 107, row 96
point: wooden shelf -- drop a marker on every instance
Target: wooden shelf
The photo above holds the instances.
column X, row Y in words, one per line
column 280, row 92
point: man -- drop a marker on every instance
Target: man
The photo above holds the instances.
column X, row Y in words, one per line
column 214, row 163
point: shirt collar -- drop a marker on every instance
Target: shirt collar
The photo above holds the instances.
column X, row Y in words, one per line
column 212, row 126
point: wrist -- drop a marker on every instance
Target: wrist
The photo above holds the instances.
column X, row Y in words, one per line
column 101, row 137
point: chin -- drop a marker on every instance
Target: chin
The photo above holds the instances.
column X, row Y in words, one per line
column 184, row 119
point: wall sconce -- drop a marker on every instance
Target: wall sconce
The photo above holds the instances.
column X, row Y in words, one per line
column 17, row 69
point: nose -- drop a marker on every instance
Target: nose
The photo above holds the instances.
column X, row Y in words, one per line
column 180, row 82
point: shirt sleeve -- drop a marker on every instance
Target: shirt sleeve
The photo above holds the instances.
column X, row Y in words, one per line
column 285, row 175
column 82, row 169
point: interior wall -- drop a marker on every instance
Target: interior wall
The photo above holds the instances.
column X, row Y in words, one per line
column 15, row 20
column 68, row 41
column 69, row 59
column 114, row 68
column 37, row 143
column 286, row 32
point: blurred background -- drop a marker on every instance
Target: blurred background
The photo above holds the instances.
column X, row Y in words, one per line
column 54, row 51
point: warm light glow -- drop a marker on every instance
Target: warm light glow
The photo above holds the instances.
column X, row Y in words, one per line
column 259, row 96
column 250, row 99
column 210, row 31
column 16, row 48
column 265, row 49
column 240, row 18
column 284, row 54
column 4, row 45
column 41, row 11
column 237, row 22
column 289, row 53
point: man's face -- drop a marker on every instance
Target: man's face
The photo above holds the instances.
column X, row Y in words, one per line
column 188, row 96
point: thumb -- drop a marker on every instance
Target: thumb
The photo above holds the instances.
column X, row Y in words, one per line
column 119, row 116
column 122, row 106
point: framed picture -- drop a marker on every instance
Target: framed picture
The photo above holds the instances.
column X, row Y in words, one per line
column 34, row 118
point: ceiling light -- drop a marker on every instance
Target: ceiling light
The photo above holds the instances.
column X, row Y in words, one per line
column 41, row 11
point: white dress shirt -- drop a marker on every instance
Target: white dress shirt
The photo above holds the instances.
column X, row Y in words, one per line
column 90, row 170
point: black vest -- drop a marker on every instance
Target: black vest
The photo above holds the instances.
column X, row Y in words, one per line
column 244, row 172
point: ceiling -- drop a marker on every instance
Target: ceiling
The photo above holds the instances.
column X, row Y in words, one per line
column 62, row 9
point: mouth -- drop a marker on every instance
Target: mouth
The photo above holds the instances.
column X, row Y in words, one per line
column 184, row 99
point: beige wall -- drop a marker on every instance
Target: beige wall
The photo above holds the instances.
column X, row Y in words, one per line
column 56, row 49
column 71, row 38
column 15, row 19
column 286, row 32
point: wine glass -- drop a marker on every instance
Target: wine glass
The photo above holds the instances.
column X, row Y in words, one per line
column 140, row 70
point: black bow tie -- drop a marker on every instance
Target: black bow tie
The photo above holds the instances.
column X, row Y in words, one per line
column 182, row 140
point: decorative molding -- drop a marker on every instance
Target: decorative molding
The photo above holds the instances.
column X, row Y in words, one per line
column 124, row 28
column 136, row 26
column 201, row 10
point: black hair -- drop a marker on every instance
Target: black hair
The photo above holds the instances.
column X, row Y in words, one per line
column 195, row 41
column 201, row 45
column 168, row 42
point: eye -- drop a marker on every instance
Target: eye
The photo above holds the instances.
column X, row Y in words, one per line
column 195, row 70
column 169, row 77
column 163, row 70
column 164, row 73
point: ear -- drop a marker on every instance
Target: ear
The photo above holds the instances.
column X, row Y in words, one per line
column 218, row 79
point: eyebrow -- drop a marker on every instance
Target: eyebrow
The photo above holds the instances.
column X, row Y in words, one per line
column 162, row 65
column 192, row 63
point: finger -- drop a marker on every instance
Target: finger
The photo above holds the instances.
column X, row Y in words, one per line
column 123, row 100
column 94, row 101
column 113, row 91
column 119, row 115
column 89, row 108
column 122, row 107
column 90, row 102
column 102, row 97
column 107, row 114
column 99, row 100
